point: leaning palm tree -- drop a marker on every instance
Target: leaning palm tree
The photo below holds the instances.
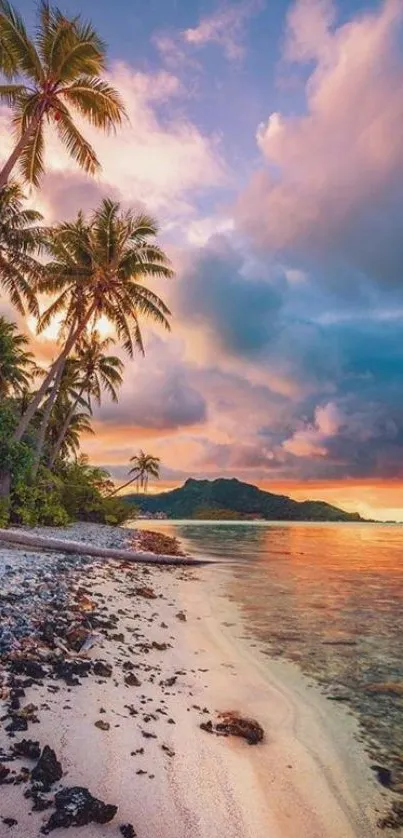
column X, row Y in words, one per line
column 57, row 69
column 97, row 371
column 79, row 423
column 96, row 269
column 64, row 390
column 145, row 466
column 17, row 365
column 20, row 239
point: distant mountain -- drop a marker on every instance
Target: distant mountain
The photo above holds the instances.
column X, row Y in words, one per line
column 232, row 499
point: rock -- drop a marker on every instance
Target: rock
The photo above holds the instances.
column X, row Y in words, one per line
column 102, row 725
column 384, row 775
column 131, row 680
column 17, row 723
column 169, row 682
column 181, row 616
column 127, row 830
column 10, row 822
column 4, row 772
column 31, row 668
column 104, row 670
column 145, row 592
column 232, row 724
column 27, row 748
column 76, row 806
column 47, row 770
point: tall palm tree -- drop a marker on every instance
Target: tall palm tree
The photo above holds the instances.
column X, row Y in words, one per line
column 97, row 371
column 145, row 466
column 95, row 269
column 57, row 69
column 17, row 365
column 20, row 239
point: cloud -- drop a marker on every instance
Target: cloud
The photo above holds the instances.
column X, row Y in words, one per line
column 225, row 27
column 332, row 184
column 158, row 160
column 239, row 311
column 157, row 393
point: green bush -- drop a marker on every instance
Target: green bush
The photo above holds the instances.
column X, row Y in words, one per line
column 83, row 494
column 41, row 503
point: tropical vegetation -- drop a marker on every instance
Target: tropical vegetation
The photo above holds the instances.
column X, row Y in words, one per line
column 75, row 275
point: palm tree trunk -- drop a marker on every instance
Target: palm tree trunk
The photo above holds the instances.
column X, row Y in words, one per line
column 45, row 420
column 19, row 148
column 59, row 442
column 115, row 491
column 75, row 333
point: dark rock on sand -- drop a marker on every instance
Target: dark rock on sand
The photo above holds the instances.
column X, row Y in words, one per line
column 47, row 770
column 232, row 724
column 384, row 775
column 77, row 807
column 27, row 748
column 10, row 821
column 104, row 670
column 31, row 668
column 127, row 830
column 131, row 680
column 4, row 772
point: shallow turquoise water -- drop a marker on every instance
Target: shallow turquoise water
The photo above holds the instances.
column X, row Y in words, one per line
column 326, row 596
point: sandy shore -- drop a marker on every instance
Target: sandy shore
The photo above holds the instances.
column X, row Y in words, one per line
column 168, row 777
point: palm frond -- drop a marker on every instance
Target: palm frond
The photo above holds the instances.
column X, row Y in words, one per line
column 20, row 48
column 31, row 161
column 78, row 147
column 97, row 101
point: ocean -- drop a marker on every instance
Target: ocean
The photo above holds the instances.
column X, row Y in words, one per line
column 329, row 598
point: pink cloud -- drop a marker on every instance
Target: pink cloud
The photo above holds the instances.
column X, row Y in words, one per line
column 334, row 162
column 151, row 160
column 224, row 27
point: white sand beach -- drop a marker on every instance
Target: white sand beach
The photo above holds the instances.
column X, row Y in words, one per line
column 309, row 778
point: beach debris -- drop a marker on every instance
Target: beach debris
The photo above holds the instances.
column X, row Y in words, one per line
column 145, row 592
column 233, row 724
column 127, row 830
column 394, row 818
column 394, row 688
column 76, row 806
column 181, row 616
column 47, row 770
column 156, row 542
column 101, row 725
column 169, row 682
column 169, row 751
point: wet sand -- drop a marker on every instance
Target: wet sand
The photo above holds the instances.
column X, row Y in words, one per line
column 168, row 777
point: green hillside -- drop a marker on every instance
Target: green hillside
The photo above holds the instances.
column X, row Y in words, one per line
column 230, row 499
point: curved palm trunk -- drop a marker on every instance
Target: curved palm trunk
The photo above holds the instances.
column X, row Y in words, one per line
column 45, row 420
column 123, row 486
column 75, row 333
column 59, row 442
column 19, row 148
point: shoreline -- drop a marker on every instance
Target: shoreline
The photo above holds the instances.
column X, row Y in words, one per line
column 149, row 757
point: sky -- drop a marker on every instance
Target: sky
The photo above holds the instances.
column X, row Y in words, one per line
column 266, row 137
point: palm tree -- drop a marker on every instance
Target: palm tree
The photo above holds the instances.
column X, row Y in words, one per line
column 97, row 371
column 17, row 366
column 59, row 68
column 95, row 270
column 145, row 465
column 63, row 390
column 20, row 238
column 79, row 423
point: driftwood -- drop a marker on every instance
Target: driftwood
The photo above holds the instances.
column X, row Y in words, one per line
column 36, row 542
